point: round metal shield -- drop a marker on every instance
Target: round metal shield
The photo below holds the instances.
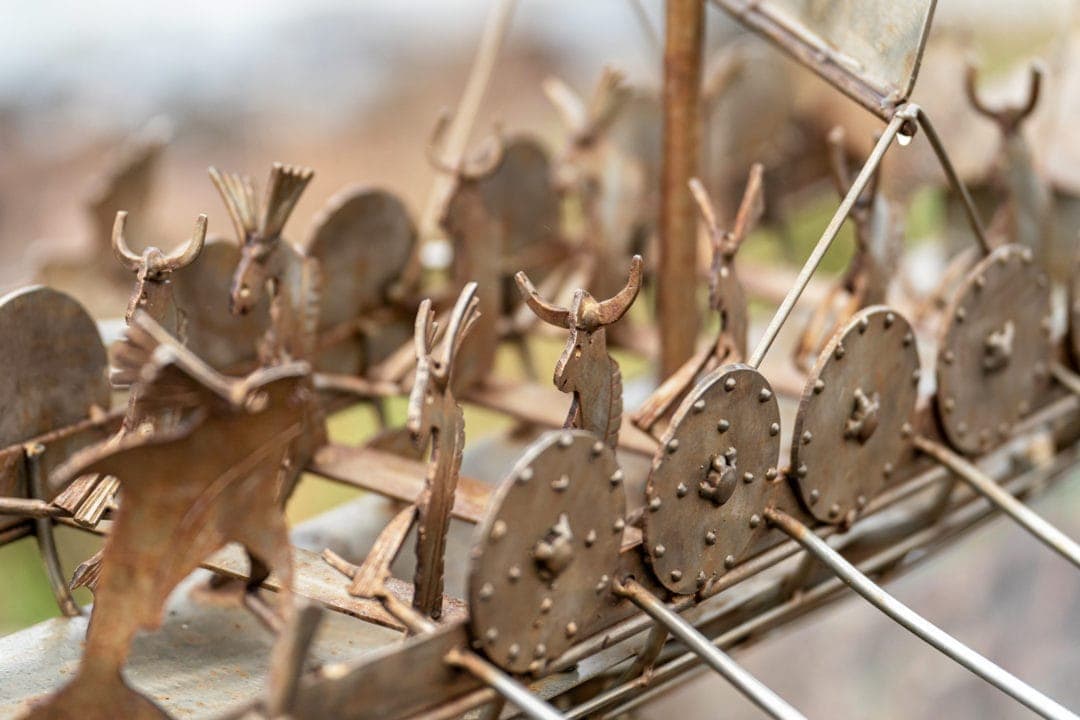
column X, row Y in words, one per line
column 54, row 364
column 994, row 350
column 201, row 291
column 542, row 559
column 710, row 478
column 854, row 417
column 362, row 239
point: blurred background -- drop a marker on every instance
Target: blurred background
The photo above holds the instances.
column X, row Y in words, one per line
column 353, row 90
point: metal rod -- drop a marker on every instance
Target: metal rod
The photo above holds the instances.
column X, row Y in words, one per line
column 902, row 116
column 676, row 291
column 954, row 179
column 43, row 528
column 1068, row 379
column 915, row 623
column 1003, row 499
column 503, row 684
column 752, row 688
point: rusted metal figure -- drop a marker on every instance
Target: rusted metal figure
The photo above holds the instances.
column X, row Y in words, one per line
column 727, row 298
column 503, row 213
column 878, row 237
column 215, row 477
column 585, row 369
column 1026, row 216
column 436, row 418
column 270, row 264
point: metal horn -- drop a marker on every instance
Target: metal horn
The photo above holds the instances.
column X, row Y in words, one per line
column 186, row 253
column 610, row 310
column 124, row 254
column 550, row 313
column 425, row 329
column 238, row 194
column 287, row 184
column 1008, row 117
column 461, row 321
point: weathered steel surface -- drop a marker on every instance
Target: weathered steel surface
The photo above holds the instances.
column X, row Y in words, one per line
column 711, row 479
column 362, row 239
column 54, row 364
column 855, row 414
column 544, row 555
column 227, row 342
column 868, row 50
column 995, row 348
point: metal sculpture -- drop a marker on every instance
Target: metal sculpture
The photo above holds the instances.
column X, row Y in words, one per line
column 269, row 264
column 237, row 440
column 585, row 369
column 727, row 298
column 435, row 418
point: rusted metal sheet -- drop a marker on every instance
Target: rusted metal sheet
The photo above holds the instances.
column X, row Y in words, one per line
column 868, row 49
column 994, row 353
column 855, row 415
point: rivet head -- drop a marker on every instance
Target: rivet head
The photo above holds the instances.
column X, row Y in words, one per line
column 597, row 448
column 906, row 430
column 698, row 405
column 834, row 511
column 949, row 404
column 948, row 357
column 774, row 429
column 748, row 477
column 723, row 426
column 915, row 375
column 681, row 490
column 571, row 629
column 545, row 605
column 514, row 573
column 890, row 318
column 491, row 635
column 525, row 475
column 771, row 474
column 701, row 579
column 710, row 538
column 961, row 428
column 676, row 575
column 566, row 440
column 560, row 483
column 486, row 591
column 513, row 651
column 819, row 385
column 590, row 538
column 540, row 650
column 807, row 436
column 860, row 502
column 802, row 470
column 672, row 445
column 764, row 394
column 755, row 520
column 655, row 503
column 659, row 550
column 839, row 351
column 815, row 495
column 618, row 525
column 729, row 562
column 729, row 384
column 864, row 324
column 498, row 529
column 908, row 339
column 961, row 314
column 616, row 477
column 601, row 586
column 887, row 470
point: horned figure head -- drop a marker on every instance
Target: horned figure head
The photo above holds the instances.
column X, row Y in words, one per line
column 586, row 318
column 1009, row 117
column 259, row 229
column 431, row 402
column 152, row 292
column 586, row 123
column 453, row 160
column 726, row 295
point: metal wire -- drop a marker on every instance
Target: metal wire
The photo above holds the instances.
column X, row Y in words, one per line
column 1003, row 499
column 904, row 115
column 752, row 688
column 918, row 625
